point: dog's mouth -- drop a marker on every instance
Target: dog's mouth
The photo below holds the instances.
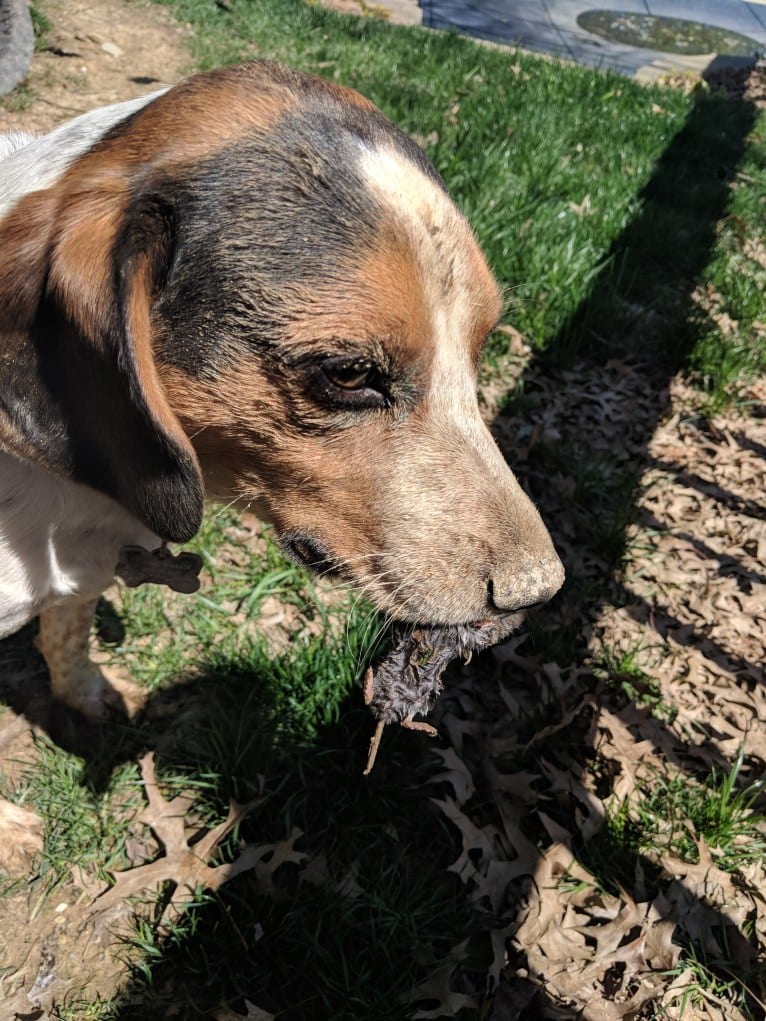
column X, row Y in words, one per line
column 307, row 550
column 453, row 640
column 407, row 681
column 464, row 639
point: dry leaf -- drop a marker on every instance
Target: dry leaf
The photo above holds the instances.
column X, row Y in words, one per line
column 456, row 773
column 253, row 1014
column 437, row 987
column 479, row 843
column 182, row 864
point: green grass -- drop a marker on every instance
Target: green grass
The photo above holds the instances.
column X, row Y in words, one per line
column 622, row 672
column 42, row 26
column 676, row 810
column 300, row 679
column 17, row 101
column 82, row 824
column 668, row 813
column 706, row 983
column 600, row 203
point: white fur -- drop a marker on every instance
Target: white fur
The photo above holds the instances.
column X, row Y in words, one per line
column 14, row 140
column 57, row 538
column 433, row 222
column 29, row 163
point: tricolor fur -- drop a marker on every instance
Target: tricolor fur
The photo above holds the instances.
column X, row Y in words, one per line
column 250, row 286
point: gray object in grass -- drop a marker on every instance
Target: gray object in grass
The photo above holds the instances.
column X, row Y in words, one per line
column 408, row 680
column 17, row 43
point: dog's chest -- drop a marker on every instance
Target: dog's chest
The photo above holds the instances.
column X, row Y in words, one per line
column 57, row 539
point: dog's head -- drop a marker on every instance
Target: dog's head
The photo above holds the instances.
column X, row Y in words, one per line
column 256, row 286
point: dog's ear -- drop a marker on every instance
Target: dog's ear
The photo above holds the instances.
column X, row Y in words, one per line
column 79, row 389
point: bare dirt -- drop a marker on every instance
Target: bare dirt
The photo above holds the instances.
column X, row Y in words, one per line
column 95, row 54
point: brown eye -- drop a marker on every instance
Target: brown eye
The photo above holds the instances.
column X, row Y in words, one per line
column 348, row 382
column 349, row 377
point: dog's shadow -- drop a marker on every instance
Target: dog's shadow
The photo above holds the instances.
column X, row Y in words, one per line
column 366, row 845
column 25, row 690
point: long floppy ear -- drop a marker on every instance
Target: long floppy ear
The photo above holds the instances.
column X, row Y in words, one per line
column 79, row 390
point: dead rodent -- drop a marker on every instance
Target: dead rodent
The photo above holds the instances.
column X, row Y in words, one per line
column 408, row 680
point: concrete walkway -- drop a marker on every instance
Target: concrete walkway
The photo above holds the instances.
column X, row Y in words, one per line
column 552, row 26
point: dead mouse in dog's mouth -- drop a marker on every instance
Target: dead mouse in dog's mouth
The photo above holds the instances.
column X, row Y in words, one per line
column 408, row 680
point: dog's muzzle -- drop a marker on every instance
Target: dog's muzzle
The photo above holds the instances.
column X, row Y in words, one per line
column 307, row 550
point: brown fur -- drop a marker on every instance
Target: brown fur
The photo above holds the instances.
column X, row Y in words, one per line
column 168, row 310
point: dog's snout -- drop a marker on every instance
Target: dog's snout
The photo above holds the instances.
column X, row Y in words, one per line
column 514, row 587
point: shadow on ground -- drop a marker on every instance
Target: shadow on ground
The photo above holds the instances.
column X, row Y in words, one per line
column 587, row 409
column 307, row 950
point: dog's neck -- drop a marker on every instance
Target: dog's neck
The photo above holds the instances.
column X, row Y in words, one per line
column 29, row 163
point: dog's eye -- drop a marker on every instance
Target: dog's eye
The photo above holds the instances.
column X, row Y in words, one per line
column 352, row 383
column 349, row 376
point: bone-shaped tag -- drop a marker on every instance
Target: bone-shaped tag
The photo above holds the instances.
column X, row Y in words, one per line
column 139, row 566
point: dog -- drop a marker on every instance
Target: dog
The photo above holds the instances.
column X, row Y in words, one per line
column 250, row 286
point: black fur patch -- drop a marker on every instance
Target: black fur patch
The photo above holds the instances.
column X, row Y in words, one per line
column 307, row 550
column 97, row 429
column 282, row 212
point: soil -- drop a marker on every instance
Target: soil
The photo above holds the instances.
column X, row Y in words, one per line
column 95, row 54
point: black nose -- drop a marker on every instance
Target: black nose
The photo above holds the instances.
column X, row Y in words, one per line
column 507, row 605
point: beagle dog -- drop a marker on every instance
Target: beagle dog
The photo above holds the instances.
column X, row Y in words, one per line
column 249, row 286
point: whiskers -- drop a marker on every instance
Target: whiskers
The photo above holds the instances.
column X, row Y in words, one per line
column 222, row 508
column 375, row 626
column 372, row 627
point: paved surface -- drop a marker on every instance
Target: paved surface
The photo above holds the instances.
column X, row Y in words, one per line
column 551, row 26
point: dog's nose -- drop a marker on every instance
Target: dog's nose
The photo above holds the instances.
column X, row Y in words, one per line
column 515, row 586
